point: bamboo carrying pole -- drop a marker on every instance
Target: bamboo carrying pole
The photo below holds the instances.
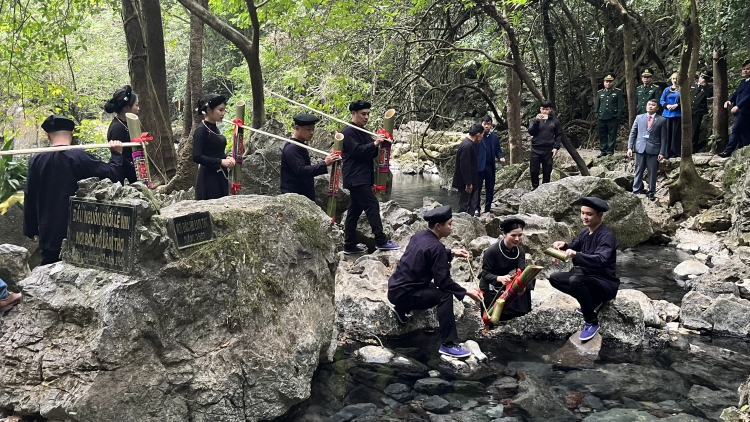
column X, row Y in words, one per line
column 291, row 141
column 64, row 148
column 383, row 171
column 335, row 179
column 140, row 157
column 326, row 114
column 238, row 147
column 511, row 293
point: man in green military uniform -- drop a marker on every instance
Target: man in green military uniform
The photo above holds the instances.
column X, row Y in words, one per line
column 647, row 91
column 700, row 92
column 608, row 107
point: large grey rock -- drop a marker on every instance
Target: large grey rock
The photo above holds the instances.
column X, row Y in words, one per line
column 635, row 415
column 11, row 232
column 14, row 265
column 726, row 315
column 578, row 354
column 230, row 330
column 690, row 267
column 626, row 217
column 713, row 220
column 636, row 382
column 700, row 363
column 553, row 316
column 711, row 402
column 536, row 401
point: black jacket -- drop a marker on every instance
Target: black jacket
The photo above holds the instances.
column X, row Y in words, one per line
column 357, row 158
column 297, row 175
column 547, row 134
column 467, row 170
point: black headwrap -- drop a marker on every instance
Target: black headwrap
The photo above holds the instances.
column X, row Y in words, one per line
column 510, row 224
column 210, row 101
column 122, row 98
column 359, row 105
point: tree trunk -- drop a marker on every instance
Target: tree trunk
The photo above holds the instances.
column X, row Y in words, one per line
column 157, row 66
column 590, row 71
column 140, row 79
column 513, row 115
column 248, row 47
column 721, row 115
column 627, row 43
column 551, row 57
column 187, row 169
column 690, row 188
column 575, row 155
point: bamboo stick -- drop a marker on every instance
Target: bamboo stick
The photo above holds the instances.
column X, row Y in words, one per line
column 361, row 129
column 334, row 184
column 291, row 141
column 140, row 156
column 64, row 148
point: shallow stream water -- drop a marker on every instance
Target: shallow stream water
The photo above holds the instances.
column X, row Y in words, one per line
column 693, row 378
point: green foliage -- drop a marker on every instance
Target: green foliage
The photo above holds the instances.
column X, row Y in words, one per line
column 12, row 173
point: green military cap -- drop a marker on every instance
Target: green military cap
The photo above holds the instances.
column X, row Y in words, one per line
column 609, row 77
column 647, row 72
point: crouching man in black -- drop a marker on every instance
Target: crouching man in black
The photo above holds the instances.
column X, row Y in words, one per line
column 594, row 254
column 423, row 279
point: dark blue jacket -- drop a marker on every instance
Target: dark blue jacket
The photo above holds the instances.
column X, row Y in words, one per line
column 425, row 260
column 297, row 174
column 741, row 97
column 596, row 253
column 488, row 151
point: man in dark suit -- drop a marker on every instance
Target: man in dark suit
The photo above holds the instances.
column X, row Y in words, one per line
column 466, row 173
column 488, row 153
column 648, row 136
column 740, row 107
column 700, row 92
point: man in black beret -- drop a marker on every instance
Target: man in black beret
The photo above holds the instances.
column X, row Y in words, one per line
column 423, row 279
column 53, row 178
column 466, row 172
column 360, row 151
column 700, row 92
column 593, row 280
column 297, row 174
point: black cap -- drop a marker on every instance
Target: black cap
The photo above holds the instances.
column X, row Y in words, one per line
column 595, row 203
column 439, row 214
column 56, row 122
column 706, row 74
column 647, row 71
column 511, row 224
column 305, row 119
column 359, row 105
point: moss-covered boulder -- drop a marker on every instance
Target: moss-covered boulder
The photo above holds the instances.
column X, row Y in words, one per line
column 229, row 330
column 559, row 200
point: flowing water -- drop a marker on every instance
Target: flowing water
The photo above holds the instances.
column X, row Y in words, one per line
column 694, row 377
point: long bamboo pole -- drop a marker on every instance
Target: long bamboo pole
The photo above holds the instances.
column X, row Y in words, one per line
column 291, row 141
column 64, row 148
column 323, row 114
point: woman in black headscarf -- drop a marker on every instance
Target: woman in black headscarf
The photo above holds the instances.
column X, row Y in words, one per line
column 501, row 261
column 123, row 101
column 209, row 150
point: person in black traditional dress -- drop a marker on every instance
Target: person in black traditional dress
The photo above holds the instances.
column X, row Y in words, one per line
column 423, row 279
column 209, row 150
column 593, row 280
column 297, row 174
column 499, row 265
column 123, row 101
column 466, row 173
column 359, row 153
column 53, row 178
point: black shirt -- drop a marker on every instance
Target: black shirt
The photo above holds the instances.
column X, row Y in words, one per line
column 52, row 179
column 209, row 150
column 357, row 158
column 547, row 134
column 297, row 175
column 467, row 169
column 596, row 253
column 118, row 131
column 699, row 94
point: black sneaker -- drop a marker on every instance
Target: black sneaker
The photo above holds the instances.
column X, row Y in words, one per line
column 723, row 154
column 354, row 251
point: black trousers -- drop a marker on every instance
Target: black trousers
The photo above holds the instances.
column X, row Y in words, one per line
column 50, row 256
column 697, row 145
column 426, row 299
column 588, row 291
column 486, row 177
column 468, row 202
column 361, row 198
column 674, row 137
column 740, row 136
column 543, row 157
